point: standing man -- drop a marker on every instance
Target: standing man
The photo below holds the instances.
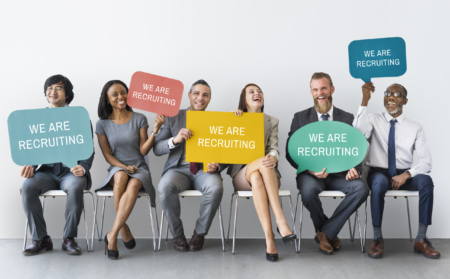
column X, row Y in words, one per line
column 311, row 184
column 178, row 175
column 393, row 139
column 58, row 90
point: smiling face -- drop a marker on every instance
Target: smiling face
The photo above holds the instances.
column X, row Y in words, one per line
column 199, row 97
column 56, row 95
column 392, row 104
column 117, row 96
column 321, row 92
column 254, row 99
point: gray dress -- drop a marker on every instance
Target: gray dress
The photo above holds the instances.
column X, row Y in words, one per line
column 124, row 140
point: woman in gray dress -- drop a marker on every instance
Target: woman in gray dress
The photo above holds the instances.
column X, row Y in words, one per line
column 122, row 136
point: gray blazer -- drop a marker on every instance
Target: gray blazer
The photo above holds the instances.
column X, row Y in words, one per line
column 270, row 141
column 171, row 128
column 308, row 116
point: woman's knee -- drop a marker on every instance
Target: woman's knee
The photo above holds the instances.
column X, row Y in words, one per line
column 255, row 179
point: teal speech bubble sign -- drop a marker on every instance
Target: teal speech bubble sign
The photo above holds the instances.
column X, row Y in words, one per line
column 376, row 58
column 51, row 135
column 333, row 145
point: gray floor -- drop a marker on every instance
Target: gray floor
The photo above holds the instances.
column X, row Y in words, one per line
column 248, row 262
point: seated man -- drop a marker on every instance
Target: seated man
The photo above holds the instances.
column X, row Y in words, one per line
column 311, row 184
column 58, row 90
column 178, row 175
column 393, row 138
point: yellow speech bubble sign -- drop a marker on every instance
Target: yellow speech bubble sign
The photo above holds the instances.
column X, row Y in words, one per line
column 225, row 138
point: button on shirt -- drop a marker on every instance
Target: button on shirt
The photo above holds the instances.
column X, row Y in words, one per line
column 409, row 136
column 330, row 113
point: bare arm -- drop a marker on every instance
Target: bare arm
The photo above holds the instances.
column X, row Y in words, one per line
column 146, row 143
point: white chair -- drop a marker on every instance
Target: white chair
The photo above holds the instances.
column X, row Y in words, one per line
column 191, row 193
column 334, row 194
column 109, row 194
column 61, row 193
column 248, row 195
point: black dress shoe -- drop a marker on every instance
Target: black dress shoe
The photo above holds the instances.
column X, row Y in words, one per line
column 130, row 244
column 271, row 257
column 287, row 238
column 70, row 246
column 112, row 254
column 38, row 245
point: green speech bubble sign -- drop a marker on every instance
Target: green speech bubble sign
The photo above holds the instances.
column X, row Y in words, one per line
column 333, row 145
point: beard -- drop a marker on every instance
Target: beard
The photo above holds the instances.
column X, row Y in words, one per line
column 395, row 111
column 323, row 108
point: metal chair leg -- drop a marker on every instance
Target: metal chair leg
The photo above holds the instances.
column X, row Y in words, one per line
column 103, row 218
column 156, row 217
column 350, row 228
column 365, row 227
column 151, row 222
column 229, row 218
column 360, row 233
column 95, row 222
column 293, row 223
column 221, row 228
column 235, row 219
column 161, row 230
column 300, row 229
column 85, row 225
column 167, row 231
column 95, row 219
column 354, row 229
column 26, row 234
column 409, row 219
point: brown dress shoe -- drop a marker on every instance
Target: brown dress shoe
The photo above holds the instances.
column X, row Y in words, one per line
column 38, row 245
column 324, row 243
column 376, row 249
column 424, row 246
column 180, row 243
column 336, row 244
column 70, row 246
column 196, row 243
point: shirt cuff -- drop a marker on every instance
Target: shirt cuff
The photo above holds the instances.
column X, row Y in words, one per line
column 84, row 171
column 171, row 144
column 275, row 154
column 412, row 172
column 361, row 109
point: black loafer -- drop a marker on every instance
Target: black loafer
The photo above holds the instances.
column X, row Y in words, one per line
column 39, row 245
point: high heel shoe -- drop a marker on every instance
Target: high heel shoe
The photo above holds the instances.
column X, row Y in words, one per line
column 271, row 257
column 287, row 238
column 130, row 244
column 112, row 254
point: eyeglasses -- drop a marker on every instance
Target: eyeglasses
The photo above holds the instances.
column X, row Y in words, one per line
column 57, row 89
column 396, row 94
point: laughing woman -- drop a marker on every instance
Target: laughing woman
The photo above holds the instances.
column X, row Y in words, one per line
column 122, row 136
column 262, row 176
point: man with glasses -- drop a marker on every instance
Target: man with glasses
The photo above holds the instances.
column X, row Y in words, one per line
column 58, row 91
column 393, row 138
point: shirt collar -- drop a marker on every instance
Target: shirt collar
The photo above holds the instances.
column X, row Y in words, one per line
column 330, row 112
column 389, row 117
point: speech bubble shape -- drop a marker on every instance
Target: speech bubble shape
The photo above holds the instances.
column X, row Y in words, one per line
column 154, row 93
column 376, row 58
column 333, row 145
column 51, row 135
column 223, row 137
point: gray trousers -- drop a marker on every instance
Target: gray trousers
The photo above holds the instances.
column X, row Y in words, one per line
column 356, row 193
column 43, row 181
column 180, row 179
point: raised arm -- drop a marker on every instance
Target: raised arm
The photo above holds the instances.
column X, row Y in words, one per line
column 361, row 122
column 146, row 143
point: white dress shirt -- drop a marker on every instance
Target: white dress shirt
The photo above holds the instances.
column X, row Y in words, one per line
column 409, row 136
column 330, row 115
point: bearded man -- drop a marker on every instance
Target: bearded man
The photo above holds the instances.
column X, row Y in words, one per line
column 393, row 139
column 311, row 184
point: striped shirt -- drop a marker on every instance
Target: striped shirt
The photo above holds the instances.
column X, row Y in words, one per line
column 409, row 136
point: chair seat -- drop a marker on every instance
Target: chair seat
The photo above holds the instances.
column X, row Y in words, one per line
column 110, row 193
column 249, row 194
column 402, row 193
column 332, row 194
column 57, row 193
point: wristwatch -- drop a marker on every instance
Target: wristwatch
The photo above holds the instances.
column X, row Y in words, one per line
column 155, row 135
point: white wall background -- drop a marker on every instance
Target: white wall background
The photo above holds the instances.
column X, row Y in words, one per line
column 275, row 44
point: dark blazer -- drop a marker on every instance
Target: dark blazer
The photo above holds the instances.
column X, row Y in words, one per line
column 86, row 164
column 308, row 116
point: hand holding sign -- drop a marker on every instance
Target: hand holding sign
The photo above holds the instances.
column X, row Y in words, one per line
column 377, row 58
column 154, row 93
column 332, row 145
column 47, row 136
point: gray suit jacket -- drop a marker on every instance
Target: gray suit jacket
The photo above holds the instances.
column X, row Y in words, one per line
column 171, row 128
column 270, row 141
column 308, row 116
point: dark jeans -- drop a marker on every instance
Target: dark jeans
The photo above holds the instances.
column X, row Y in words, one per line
column 380, row 181
column 310, row 187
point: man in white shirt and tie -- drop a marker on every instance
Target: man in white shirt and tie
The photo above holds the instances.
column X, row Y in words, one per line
column 393, row 139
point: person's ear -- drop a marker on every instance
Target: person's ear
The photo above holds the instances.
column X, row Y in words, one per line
column 332, row 89
column 405, row 101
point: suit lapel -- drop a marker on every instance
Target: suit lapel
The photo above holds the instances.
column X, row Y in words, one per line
column 266, row 127
column 336, row 114
column 313, row 115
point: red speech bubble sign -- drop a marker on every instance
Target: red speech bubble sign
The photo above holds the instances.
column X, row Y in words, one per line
column 154, row 93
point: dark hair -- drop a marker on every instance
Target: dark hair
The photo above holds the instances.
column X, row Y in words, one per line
column 202, row 82
column 68, row 87
column 242, row 105
column 105, row 108
column 321, row 75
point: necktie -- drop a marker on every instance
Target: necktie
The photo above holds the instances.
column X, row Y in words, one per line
column 392, row 168
column 57, row 167
column 193, row 167
column 325, row 117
